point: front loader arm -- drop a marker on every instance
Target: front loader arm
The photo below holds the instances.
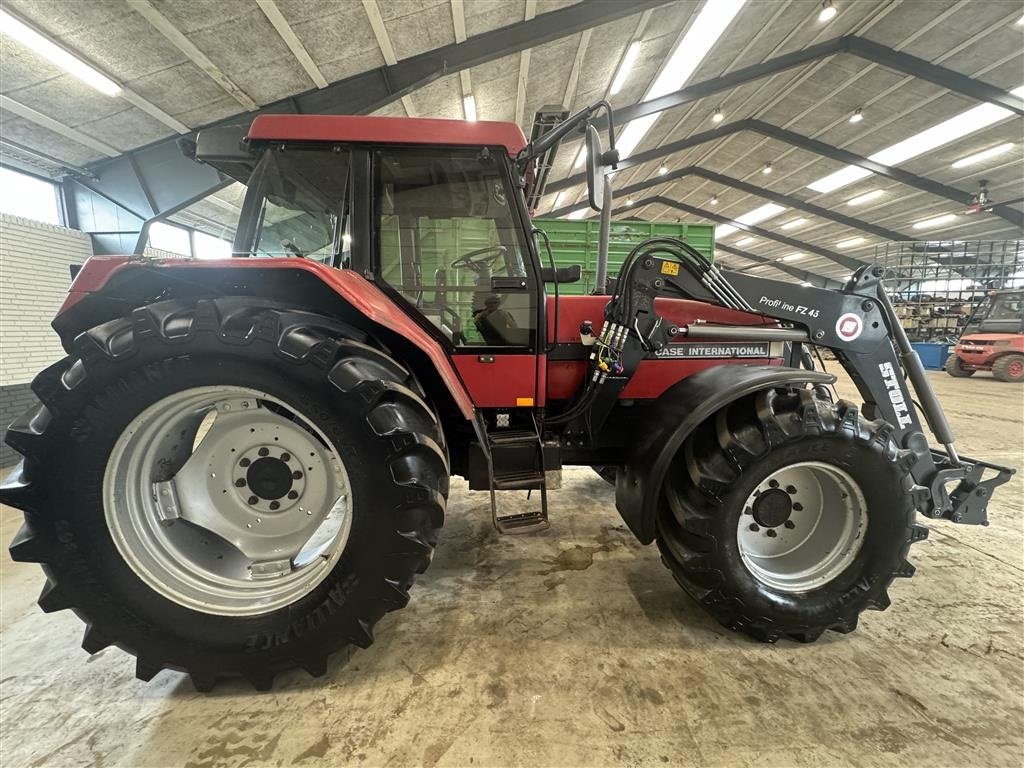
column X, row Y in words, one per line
column 858, row 323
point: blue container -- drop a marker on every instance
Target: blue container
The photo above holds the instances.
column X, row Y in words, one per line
column 933, row 356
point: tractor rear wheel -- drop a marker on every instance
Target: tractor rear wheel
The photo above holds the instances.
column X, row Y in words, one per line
column 954, row 367
column 1009, row 368
column 786, row 515
column 228, row 487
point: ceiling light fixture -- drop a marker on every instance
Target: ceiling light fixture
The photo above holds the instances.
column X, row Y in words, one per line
column 714, row 200
column 935, row 221
column 745, row 241
column 794, row 223
column 857, row 116
column 792, row 257
column 56, row 55
column 707, row 27
column 662, row 170
column 627, row 64
column 827, row 12
column 755, row 216
column 806, row 284
column 985, row 154
column 956, row 127
column 579, row 214
column 629, row 202
column 851, row 243
column 718, row 116
column 867, row 197
column 767, row 168
column 469, row 106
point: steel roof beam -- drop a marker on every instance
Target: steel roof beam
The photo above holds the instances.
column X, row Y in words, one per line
column 846, row 261
column 777, row 197
column 122, row 180
column 799, row 274
column 803, row 142
column 863, row 48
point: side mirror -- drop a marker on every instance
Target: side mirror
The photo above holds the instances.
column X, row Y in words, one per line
column 595, row 169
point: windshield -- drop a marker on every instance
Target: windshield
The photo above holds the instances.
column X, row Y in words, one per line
column 297, row 205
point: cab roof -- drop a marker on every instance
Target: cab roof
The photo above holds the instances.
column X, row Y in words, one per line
column 388, row 130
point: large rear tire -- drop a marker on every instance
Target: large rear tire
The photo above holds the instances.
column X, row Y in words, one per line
column 786, row 515
column 223, row 584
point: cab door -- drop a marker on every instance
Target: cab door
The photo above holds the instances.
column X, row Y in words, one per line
column 451, row 245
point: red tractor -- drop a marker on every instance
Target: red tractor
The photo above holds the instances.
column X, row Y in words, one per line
column 993, row 339
column 242, row 465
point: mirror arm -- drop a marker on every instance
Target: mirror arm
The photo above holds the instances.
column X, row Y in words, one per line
column 552, row 137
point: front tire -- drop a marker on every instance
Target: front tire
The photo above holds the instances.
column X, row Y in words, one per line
column 954, row 367
column 169, row 591
column 786, row 516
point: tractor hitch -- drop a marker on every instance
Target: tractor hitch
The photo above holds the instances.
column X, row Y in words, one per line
column 967, row 504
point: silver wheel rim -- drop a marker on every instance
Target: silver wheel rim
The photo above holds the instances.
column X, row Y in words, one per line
column 802, row 526
column 226, row 500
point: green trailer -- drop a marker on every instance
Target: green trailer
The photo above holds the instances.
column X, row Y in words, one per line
column 575, row 242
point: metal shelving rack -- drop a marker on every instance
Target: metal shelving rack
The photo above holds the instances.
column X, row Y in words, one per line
column 935, row 285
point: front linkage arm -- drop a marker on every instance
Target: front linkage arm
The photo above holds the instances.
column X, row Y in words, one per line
column 858, row 323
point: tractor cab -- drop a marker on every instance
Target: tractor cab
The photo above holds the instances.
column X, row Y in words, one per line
column 1001, row 312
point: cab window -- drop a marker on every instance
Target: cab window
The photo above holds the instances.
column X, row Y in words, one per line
column 449, row 244
column 298, row 203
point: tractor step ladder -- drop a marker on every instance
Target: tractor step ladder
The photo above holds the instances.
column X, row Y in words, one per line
column 519, row 480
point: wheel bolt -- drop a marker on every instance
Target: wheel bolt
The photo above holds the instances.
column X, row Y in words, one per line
column 791, row 490
column 748, row 511
column 296, row 475
column 754, row 527
column 240, row 482
column 798, row 507
column 264, row 451
column 773, row 483
column 244, row 463
column 254, row 500
column 789, row 524
column 286, row 457
column 275, row 505
column 293, row 494
column 771, row 533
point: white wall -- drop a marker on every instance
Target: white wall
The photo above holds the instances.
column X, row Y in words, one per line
column 34, row 278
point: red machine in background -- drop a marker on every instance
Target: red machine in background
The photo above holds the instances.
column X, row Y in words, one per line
column 993, row 339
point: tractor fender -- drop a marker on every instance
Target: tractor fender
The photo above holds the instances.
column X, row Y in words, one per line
column 106, row 287
column 673, row 417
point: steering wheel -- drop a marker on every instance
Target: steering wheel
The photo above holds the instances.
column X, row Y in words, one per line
column 480, row 258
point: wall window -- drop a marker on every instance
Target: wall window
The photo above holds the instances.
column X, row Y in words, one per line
column 210, row 247
column 164, row 237
column 29, row 197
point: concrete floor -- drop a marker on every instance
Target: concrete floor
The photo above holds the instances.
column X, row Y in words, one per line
column 575, row 647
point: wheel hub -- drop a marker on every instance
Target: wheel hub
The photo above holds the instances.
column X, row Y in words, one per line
column 772, row 508
column 802, row 526
column 270, row 478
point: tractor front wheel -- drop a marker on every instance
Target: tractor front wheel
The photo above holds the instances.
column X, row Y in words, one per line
column 1009, row 368
column 228, row 488
column 786, row 516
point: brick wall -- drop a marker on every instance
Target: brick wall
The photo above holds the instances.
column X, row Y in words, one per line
column 34, row 277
